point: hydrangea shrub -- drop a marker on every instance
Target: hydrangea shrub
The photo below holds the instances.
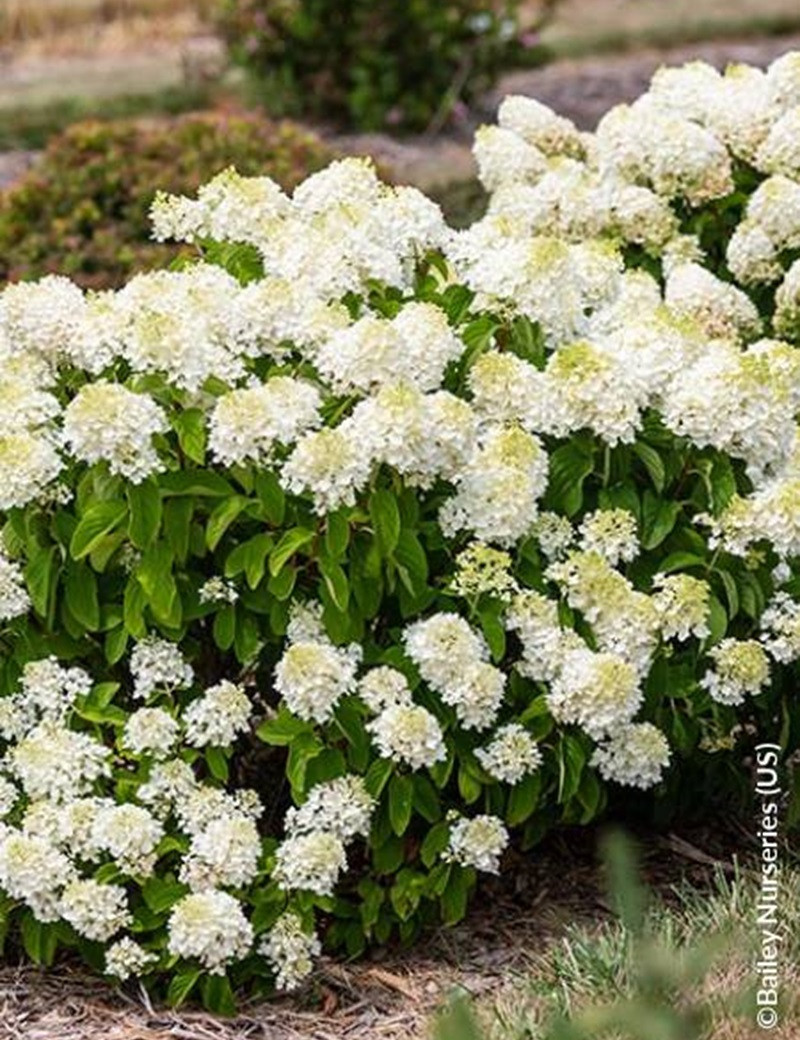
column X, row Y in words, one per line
column 341, row 559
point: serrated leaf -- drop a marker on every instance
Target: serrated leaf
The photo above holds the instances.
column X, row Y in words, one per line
column 221, row 518
column 291, row 542
column 401, row 800
column 652, row 463
column 190, row 425
column 80, row 592
column 145, row 509
column 568, row 469
column 385, row 517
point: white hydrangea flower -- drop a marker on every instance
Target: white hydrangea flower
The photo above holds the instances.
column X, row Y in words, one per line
column 780, row 625
column 225, row 852
column 612, row 533
column 211, row 927
column 534, row 618
column 510, row 755
column 635, row 755
column 408, row 733
column 290, row 951
column 305, row 623
column 342, row 807
column 476, row 694
column 480, row 569
column 313, row 677
column 34, row 870
column 741, row 667
column 540, row 126
column 57, row 763
column 9, row 796
column 107, row 422
column 126, row 957
column 157, row 664
column 29, row 463
column 310, row 862
column 168, row 783
column 130, row 835
column 218, row 590
column 504, row 157
column 682, row 603
column 52, row 690
column 246, row 424
column 96, row 911
column 14, row 598
column 383, row 687
column 151, row 730
column 218, row 716
column 441, row 645
column 596, row 691
column 554, row 534
column 478, row 842
column 329, row 463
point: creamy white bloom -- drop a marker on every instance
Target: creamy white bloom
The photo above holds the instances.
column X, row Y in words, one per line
column 225, row 852
column 480, row 569
column 682, row 603
column 478, row 842
column 126, row 957
column 34, row 870
column 741, row 667
column 510, row 755
column 130, row 835
column 780, row 626
column 441, row 645
column 107, row 422
column 290, row 951
column 342, row 807
column 383, row 687
column 29, row 463
column 331, row 464
column 635, row 755
column 57, row 763
column 218, row 590
column 14, row 598
column 9, row 796
column 612, row 533
column 96, row 911
column 310, row 862
column 597, row 691
column 313, row 677
column 246, row 424
column 218, row 716
column 157, row 664
column 408, row 733
column 52, row 690
column 211, row 927
column 151, row 730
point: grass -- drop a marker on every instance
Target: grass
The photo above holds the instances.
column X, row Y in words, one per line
column 598, row 966
column 24, row 20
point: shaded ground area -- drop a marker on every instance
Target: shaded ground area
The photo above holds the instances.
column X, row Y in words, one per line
column 393, row 994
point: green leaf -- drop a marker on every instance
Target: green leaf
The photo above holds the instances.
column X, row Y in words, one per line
column 412, row 563
column 271, row 496
column 190, row 425
column 181, row 985
column 195, row 482
column 679, row 561
column 336, row 583
column 154, row 574
column 40, row 578
column 337, row 535
column 218, row 995
column 161, row 893
column 731, row 592
column 116, row 643
column 217, row 763
column 133, row 606
column 717, row 621
column 80, row 592
column 224, row 630
column 222, row 517
column 98, row 520
column 571, row 760
column 250, row 557
column 378, row 776
column 293, row 540
column 385, row 517
column 524, row 799
column 570, row 465
column 177, row 525
column 494, row 631
column 426, row 799
column 453, row 901
column 282, row 730
column 39, row 940
column 144, row 504
column 436, row 841
column 401, row 800
column 658, row 519
column 653, row 464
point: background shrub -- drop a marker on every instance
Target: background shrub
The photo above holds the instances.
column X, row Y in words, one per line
column 82, row 210
column 394, row 63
